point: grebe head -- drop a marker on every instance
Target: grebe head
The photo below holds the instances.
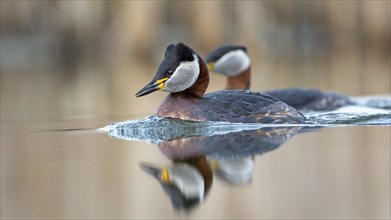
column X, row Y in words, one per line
column 179, row 71
column 187, row 181
column 229, row 60
column 186, row 178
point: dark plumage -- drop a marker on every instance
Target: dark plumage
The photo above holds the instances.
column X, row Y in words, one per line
column 233, row 106
column 190, row 103
column 300, row 98
column 310, row 99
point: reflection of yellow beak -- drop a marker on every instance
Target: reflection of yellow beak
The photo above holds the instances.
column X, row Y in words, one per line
column 164, row 177
column 160, row 173
column 210, row 66
column 214, row 164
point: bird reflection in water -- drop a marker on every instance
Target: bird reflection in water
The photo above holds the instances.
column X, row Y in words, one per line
column 236, row 171
column 197, row 158
column 186, row 181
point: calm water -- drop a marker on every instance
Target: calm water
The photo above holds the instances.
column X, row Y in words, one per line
column 70, row 68
column 71, row 169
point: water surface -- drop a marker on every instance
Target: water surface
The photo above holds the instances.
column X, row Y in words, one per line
column 70, row 169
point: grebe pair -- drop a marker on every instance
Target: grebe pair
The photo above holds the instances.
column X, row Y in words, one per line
column 184, row 74
column 233, row 62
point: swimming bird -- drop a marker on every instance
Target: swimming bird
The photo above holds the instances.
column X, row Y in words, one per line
column 233, row 62
column 184, row 75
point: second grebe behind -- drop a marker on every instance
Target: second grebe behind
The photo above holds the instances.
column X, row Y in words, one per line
column 233, row 62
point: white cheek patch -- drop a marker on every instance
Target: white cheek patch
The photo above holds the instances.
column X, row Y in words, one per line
column 184, row 76
column 188, row 180
column 232, row 63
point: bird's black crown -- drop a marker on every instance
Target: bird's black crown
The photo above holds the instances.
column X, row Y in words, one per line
column 217, row 53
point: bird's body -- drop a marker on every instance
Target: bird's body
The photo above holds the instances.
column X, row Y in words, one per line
column 307, row 99
column 233, row 62
column 230, row 105
column 185, row 76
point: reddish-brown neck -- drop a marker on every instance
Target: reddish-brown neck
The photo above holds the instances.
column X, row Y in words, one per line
column 180, row 104
column 198, row 89
column 241, row 81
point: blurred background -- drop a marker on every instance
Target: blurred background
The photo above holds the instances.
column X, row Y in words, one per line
column 86, row 59
column 77, row 64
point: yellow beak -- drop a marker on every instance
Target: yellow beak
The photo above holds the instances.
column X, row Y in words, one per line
column 210, row 66
column 152, row 87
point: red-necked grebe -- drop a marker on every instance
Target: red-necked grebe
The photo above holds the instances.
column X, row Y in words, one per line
column 233, row 62
column 184, row 74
